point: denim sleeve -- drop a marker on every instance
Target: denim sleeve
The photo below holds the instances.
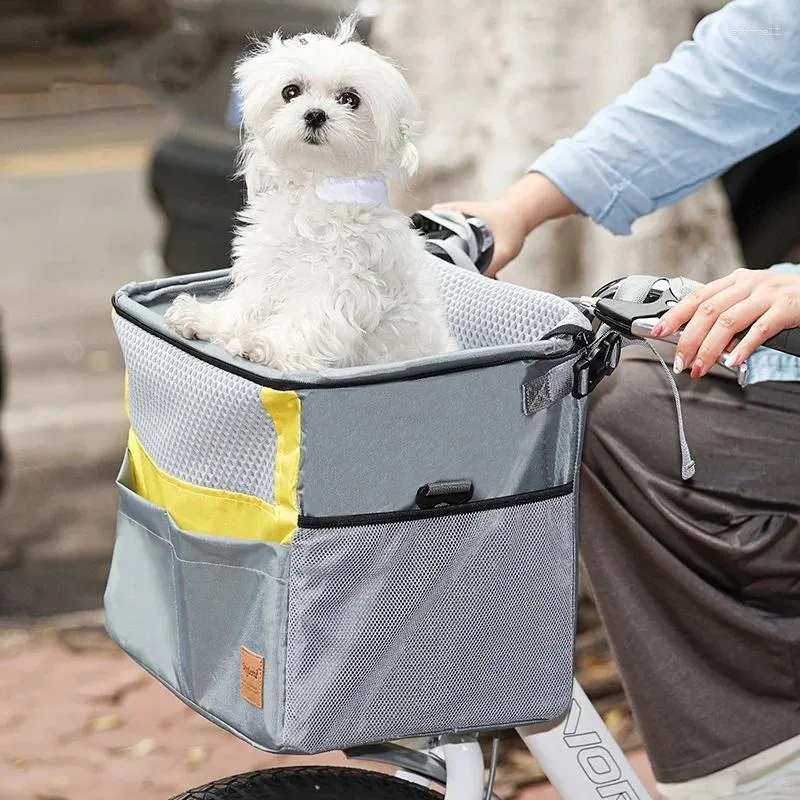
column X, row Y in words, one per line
column 732, row 90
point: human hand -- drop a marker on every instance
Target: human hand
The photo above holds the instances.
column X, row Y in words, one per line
column 715, row 313
column 511, row 217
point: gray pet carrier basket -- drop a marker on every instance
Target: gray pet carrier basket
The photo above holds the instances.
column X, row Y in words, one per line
column 319, row 561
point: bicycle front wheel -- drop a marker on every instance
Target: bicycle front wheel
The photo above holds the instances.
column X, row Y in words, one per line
column 305, row 783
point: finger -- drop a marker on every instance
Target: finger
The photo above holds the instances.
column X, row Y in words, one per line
column 499, row 260
column 703, row 320
column 769, row 324
column 494, row 268
column 730, row 322
column 678, row 316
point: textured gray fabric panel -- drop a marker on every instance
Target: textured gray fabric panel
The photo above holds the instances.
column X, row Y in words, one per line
column 409, row 628
column 198, row 423
column 463, row 425
column 184, row 605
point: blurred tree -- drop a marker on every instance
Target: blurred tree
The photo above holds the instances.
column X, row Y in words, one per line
column 501, row 80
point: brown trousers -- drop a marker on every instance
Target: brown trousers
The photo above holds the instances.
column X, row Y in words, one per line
column 698, row 583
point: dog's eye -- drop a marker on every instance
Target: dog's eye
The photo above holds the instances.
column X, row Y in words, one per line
column 349, row 98
column 290, row 92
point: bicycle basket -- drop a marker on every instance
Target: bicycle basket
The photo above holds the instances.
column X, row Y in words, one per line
column 319, row 561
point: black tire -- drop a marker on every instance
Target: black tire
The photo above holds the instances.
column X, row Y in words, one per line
column 310, row 783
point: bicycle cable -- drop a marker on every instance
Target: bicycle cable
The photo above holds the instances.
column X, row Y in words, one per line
column 492, row 768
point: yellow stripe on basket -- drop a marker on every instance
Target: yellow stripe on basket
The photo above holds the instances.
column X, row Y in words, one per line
column 284, row 408
column 216, row 512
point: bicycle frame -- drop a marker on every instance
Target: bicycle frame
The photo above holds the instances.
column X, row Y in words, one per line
column 581, row 758
column 578, row 754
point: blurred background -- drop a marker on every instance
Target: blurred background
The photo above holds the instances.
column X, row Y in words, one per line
column 118, row 134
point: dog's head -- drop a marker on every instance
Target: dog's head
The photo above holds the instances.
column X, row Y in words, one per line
column 325, row 105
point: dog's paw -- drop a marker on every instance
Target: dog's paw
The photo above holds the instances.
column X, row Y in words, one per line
column 256, row 352
column 252, row 348
column 184, row 316
column 269, row 354
column 234, row 347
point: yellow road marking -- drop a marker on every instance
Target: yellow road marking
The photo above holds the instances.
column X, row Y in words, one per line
column 79, row 161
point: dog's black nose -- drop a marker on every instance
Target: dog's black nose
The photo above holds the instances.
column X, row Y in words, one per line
column 315, row 118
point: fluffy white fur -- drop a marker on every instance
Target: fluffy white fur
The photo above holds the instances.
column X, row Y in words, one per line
column 316, row 283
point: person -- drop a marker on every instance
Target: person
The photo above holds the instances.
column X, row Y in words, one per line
column 698, row 583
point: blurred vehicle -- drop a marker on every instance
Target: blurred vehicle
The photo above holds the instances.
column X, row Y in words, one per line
column 189, row 67
column 44, row 25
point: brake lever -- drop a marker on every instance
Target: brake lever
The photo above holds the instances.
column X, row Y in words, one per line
column 639, row 319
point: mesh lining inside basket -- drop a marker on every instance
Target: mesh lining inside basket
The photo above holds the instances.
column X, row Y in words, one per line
column 480, row 312
column 486, row 313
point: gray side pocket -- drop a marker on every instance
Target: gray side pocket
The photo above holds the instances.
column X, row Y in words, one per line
column 232, row 594
column 184, row 605
column 418, row 625
column 140, row 593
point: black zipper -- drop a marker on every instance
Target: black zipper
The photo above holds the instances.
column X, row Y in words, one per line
column 282, row 383
column 386, row 517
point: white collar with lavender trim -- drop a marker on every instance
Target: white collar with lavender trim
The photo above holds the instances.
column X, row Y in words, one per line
column 360, row 191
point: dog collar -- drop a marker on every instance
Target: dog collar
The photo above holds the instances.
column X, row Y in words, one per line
column 360, row 191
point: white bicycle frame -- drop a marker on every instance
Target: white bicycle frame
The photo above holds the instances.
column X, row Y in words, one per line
column 578, row 754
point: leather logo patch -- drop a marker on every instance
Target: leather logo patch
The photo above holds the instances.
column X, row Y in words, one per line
column 251, row 681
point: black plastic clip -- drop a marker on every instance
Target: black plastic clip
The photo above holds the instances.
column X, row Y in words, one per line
column 600, row 360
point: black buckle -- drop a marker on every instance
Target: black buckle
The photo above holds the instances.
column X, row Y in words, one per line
column 601, row 359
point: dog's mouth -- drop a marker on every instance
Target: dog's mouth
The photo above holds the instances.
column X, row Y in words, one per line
column 312, row 137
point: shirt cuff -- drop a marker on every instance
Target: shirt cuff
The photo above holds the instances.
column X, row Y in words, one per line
column 593, row 186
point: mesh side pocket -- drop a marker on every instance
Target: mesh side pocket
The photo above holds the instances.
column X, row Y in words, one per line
column 423, row 626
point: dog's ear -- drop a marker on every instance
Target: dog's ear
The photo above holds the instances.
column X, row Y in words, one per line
column 409, row 155
column 249, row 71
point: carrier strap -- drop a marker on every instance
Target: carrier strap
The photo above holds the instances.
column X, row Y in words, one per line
column 542, row 391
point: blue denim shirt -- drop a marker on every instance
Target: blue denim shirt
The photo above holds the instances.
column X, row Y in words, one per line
column 732, row 90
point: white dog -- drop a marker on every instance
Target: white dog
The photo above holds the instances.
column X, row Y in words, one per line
column 325, row 273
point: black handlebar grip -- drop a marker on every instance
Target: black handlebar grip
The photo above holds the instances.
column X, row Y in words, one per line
column 787, row 341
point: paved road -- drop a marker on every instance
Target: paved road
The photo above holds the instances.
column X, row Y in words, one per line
column 74, row 221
